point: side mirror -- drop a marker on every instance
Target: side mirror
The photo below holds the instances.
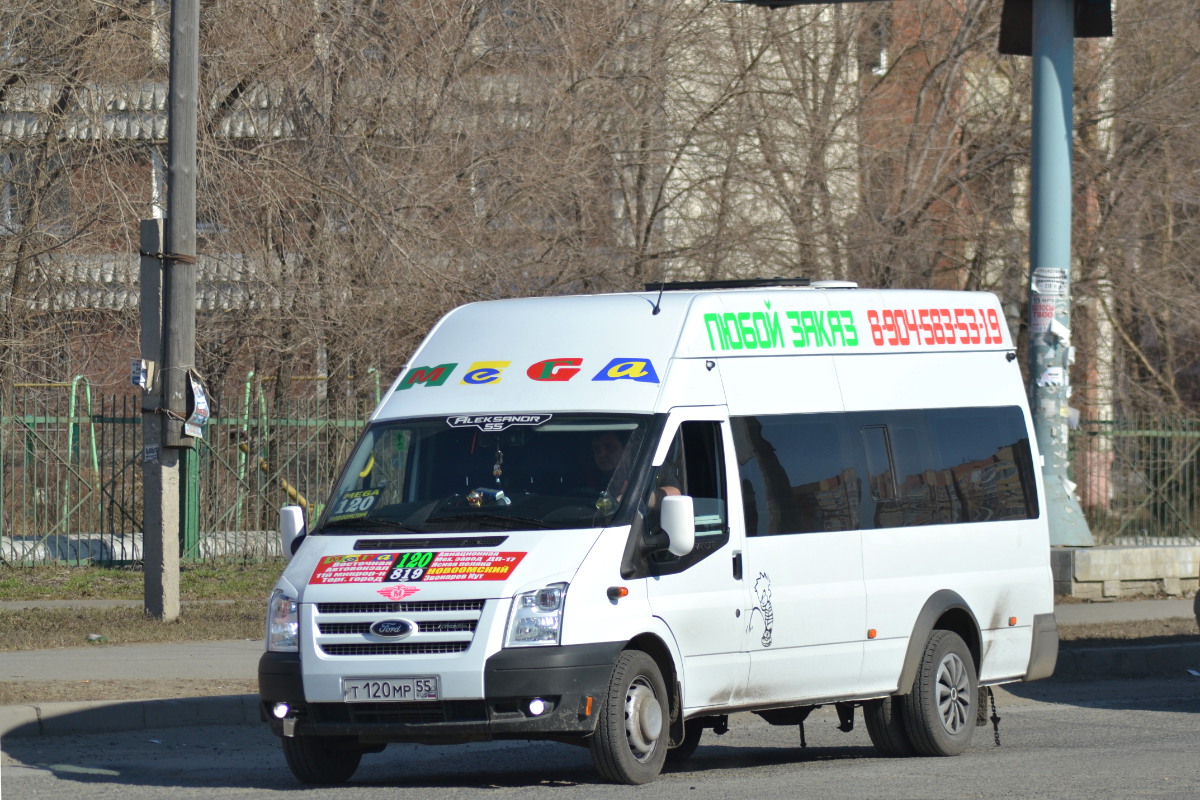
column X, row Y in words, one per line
column 677, row 516
column 291, row 528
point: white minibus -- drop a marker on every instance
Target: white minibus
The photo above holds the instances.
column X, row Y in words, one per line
column 616, row 520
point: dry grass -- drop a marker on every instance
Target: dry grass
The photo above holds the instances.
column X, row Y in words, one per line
column 37, row 692
column 1151, row 631
column 233, row 581
column 40, row 628
column 221, row 601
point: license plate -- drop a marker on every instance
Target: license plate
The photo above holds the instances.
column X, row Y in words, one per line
column 390, row 690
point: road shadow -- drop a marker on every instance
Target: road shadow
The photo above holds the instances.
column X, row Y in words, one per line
column 1175, row 692
column 248, row 757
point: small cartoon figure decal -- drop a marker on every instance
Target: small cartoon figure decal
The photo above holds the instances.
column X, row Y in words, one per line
column 762, row 593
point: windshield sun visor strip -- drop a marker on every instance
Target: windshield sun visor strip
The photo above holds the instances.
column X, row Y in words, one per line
column 429, row 543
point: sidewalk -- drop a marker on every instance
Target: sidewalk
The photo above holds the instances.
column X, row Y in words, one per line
column 1127, row 660
column 238, row 660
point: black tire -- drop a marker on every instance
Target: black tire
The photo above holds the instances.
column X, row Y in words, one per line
column 692, row 731
column 630, row 742
column 939, row 712
column 885, row 725
column 321, row 760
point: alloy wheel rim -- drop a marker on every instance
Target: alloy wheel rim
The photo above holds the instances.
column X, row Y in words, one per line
column 953, row 693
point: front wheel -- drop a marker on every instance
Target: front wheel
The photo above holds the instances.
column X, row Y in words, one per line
column 321, row 760
column 939, row 712
column 630, row 742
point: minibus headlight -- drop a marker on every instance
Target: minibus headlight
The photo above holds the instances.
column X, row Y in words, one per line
column 283, row 623
column 536, row 617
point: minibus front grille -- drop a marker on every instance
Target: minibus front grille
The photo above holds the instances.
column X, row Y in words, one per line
column 450, row 626
column 400, row 608
column 435, row 627
column 379, row 649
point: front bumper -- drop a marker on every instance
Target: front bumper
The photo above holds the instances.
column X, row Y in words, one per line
column 570, row 680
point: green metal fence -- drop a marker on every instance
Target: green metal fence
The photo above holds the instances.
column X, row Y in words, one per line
column 71, row 474
column 1138, row 480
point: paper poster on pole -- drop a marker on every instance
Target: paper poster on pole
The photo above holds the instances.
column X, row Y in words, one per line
column 194, row 426
column 1050, row 282
column 1041, row 313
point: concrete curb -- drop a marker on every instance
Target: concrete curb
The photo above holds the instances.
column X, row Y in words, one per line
column 49, row 719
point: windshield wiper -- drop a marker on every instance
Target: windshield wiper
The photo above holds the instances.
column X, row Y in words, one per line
column 484, row 516
column 367, row 524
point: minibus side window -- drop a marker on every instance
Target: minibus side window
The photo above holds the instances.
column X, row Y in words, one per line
column 799, row 474
column 880, row 470
column 986, row 451
column 924, row 493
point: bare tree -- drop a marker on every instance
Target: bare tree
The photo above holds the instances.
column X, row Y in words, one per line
column 366, row 165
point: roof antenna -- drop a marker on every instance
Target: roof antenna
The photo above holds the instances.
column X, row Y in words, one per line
column 658, row 301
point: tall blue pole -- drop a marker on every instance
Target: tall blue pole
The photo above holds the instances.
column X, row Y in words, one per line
column 1050, row 352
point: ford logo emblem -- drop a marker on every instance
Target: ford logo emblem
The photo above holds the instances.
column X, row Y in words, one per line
column 393, row 628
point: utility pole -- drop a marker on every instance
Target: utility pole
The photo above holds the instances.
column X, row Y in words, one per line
column 1050, row 350
column 173, row 351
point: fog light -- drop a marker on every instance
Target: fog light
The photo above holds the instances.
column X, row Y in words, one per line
column 281, row 710
column 537, row 707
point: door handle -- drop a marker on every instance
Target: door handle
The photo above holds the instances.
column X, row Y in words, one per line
column 737, row 565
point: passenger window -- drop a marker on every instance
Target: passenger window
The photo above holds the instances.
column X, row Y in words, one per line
column 987, row 452
column 798, row 473
column 906, row 489
column 881, row 473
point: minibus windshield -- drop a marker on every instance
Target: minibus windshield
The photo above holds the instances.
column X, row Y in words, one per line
column 489, row 472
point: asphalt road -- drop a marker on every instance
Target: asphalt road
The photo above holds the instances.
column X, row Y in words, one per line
column 1059, row 739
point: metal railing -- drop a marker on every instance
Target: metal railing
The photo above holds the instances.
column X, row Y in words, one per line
column 71, row 474
column 1138, row 479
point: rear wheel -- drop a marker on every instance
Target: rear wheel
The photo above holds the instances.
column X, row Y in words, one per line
column 939, row 712
column 885, row 726
column 630, row 742
column 321, row 760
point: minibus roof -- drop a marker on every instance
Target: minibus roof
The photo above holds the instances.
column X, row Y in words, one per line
column 612, row 352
